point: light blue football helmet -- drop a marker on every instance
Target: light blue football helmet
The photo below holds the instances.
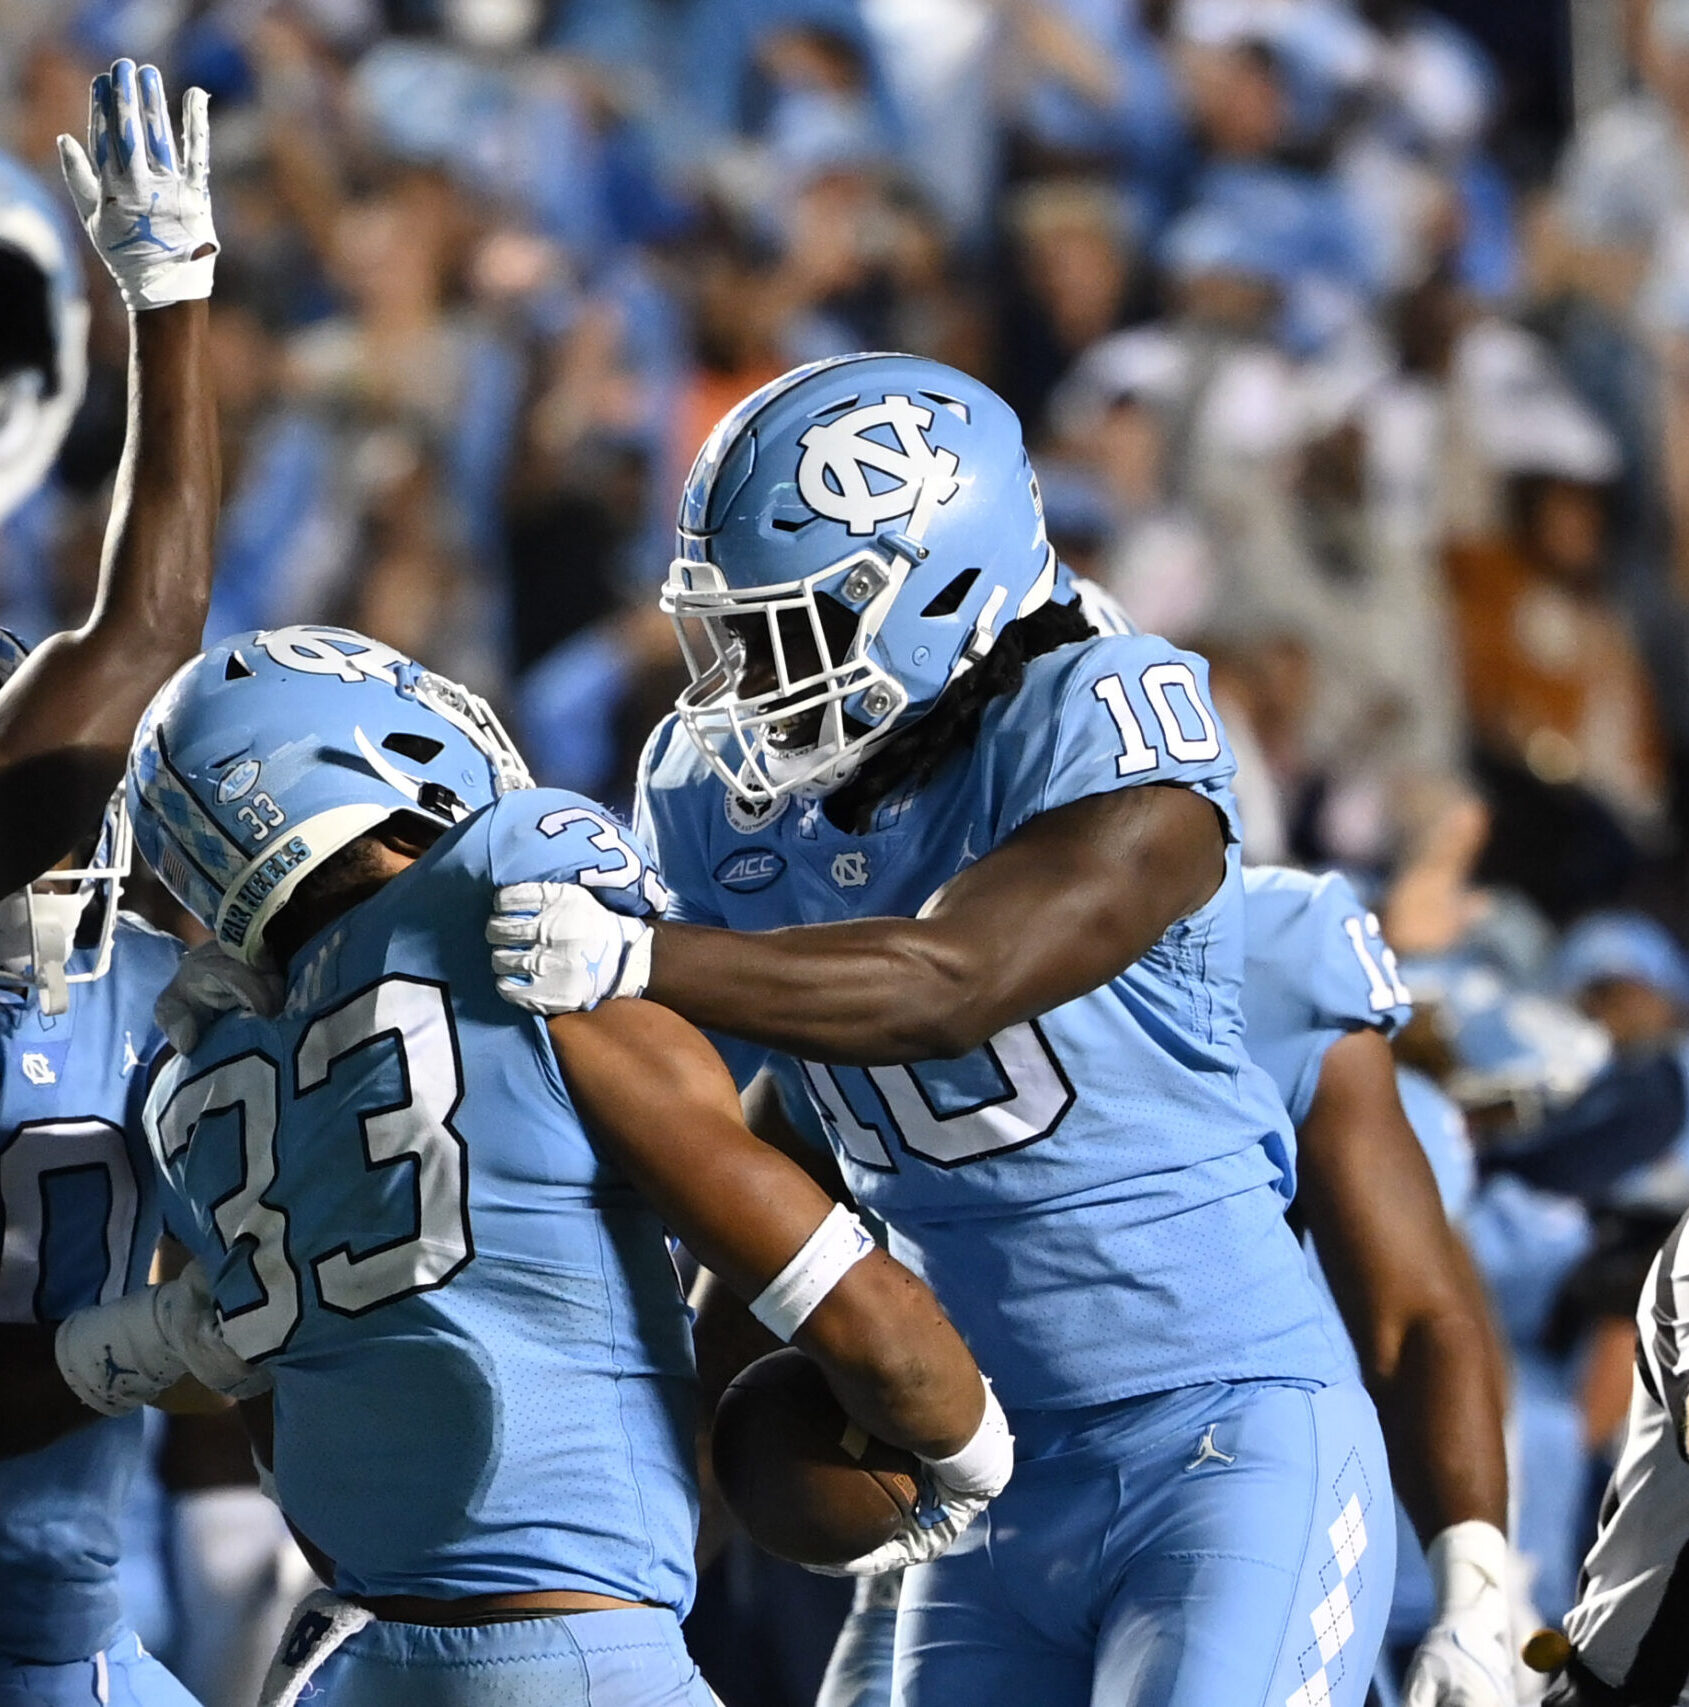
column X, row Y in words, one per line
column 1511, row 1048
column 36, row 408
column 852, row 538
column 271, row 751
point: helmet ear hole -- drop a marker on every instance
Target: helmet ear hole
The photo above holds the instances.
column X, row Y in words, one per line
column 419, row 749
column 948, row 600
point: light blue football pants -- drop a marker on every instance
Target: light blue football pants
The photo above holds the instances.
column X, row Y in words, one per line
column 124, row 1675
column 633, row 1658
column 1231, row 1543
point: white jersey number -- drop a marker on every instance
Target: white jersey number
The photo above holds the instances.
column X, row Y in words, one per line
column 1035, row 1096
column 1159, row 683
column 415, row 1133
column 41, row 1152
column 1385, row 988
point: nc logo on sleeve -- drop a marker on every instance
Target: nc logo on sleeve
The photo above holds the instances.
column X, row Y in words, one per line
column 837, row 476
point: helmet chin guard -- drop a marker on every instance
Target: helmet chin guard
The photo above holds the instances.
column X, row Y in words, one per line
column 39, row 923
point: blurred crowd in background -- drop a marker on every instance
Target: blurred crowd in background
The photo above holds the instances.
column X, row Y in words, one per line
column 1351, row 338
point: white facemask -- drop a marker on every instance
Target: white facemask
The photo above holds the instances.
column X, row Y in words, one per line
column 37, row 933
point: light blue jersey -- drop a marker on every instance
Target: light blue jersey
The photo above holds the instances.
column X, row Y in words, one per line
column 482, row 1359
column 79, row 1217
column 1096, row 1196
column 1316, row 968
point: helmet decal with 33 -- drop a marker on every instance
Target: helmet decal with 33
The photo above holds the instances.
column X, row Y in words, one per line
column 271, row 751
column 852, row 538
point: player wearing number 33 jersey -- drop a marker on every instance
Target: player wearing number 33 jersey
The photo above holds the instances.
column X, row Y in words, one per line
column 1201, row 1510
column 481, row 1357
column 438, row 1223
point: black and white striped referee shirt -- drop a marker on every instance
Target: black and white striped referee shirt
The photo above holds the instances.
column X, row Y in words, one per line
column 1631, row 1622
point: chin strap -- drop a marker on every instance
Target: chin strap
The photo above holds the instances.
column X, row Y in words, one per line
column 37, row 931
column 984, row 636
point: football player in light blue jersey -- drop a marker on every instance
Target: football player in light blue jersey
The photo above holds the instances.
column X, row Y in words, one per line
column 482, row 1371
column 1011, row 849
column 1321, row 994
column 79, row 1224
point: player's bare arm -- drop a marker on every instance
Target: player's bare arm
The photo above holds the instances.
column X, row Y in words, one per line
column 67, row 716
column 658, row 1098
column 159, row 1346
column 1065, row 904
column 1415, row 1311
column 1406, row 1290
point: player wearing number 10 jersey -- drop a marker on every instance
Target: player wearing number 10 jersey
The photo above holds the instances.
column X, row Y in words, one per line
column 1012, row 848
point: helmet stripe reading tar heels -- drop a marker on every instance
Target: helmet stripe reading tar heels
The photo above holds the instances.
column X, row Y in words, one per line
column 272, row 751
column 852, row 538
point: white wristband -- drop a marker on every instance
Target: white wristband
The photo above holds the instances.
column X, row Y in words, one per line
column 826, row 1257
column 981, row 1468
column 1467, row 1560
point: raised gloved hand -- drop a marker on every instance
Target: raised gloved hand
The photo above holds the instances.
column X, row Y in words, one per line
column 116, row 1357
column 209, row 982
column 147, row 213
column 955, row 1490
column 558, row 950
column 1466, row 1658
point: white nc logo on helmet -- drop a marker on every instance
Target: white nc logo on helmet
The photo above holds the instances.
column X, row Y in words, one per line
column 833, row 475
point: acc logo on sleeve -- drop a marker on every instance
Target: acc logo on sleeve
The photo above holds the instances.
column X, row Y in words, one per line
column 749, row 870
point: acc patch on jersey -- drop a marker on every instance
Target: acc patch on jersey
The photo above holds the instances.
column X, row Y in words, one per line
column 750, row 870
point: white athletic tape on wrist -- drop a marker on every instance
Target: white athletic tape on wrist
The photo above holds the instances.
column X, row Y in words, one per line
column 1467, row 1560
column 827, row 1256
column 982, row 1467
column 636, row 973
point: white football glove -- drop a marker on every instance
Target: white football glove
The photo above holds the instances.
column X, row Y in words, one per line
column 209, row 982
column 955, row 1491
column 559, row 950
column 116, row 1357
column 1466, row 1659
column 148, row 215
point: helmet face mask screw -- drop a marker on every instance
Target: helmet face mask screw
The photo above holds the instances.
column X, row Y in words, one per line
column 861, row 584
column 876, row 702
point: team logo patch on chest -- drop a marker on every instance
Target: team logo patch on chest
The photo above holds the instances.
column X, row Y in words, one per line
column 850, row 868
column 749, row 870
column 42, row 1066
column 866, row 482
column 749, row 816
